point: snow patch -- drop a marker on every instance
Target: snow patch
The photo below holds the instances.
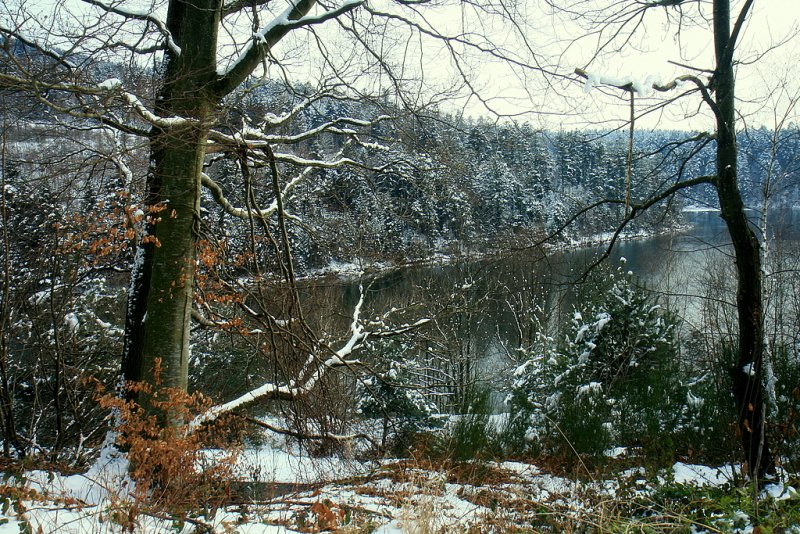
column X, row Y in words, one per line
column 701, row 475
column 616, row 452
column 694, row 401
column 642, row 86
column 779, row 492
column 699, row 209
column 590, row 388
column 72, row 323
column 110, row 84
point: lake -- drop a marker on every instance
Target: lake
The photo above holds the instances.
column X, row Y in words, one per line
column 484, row 310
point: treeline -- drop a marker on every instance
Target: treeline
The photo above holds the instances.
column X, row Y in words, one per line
column 438, row 183
column 422, row 183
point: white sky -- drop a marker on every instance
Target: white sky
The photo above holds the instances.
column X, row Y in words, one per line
column 561, row 44
column 763, row 80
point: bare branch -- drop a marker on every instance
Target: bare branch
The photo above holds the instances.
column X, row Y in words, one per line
column 295, row 16
column 146, row 17
column 637, row 208
column 237, row 5
column 327, row 436
column 737, row 28
column 38, row 47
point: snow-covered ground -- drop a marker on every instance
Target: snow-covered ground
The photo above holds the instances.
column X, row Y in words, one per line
column 387, row 497
column 699, row 208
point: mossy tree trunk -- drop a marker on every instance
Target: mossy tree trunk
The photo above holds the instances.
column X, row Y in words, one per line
column 160, row 295
column 160, row 298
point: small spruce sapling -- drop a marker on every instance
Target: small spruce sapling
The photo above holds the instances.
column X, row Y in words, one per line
column 612, row 379
column 394, row 397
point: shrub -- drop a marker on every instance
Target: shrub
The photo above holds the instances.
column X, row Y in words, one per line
column 614, row 379
column 472, row 434
column 172, row 471
column 393, row 397
column 783, row 386
column 475, row 434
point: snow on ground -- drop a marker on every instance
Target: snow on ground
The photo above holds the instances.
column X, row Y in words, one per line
column 389, row 497
column 276, row 465
column 700, row 475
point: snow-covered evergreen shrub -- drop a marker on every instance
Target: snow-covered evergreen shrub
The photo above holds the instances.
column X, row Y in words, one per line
column 394, row 397
column 612, row 379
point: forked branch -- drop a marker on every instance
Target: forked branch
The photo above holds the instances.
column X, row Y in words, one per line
column 310, row 377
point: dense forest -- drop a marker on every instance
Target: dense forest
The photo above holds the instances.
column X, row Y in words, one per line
column 427, row 183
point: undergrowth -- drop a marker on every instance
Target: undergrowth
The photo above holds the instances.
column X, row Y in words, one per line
column 172, row 466
column 728, row 508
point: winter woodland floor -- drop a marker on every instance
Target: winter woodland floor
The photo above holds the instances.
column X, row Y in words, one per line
column 299, row 494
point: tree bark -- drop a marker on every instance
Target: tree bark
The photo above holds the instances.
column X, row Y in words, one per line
column 747, row 386
column 160, row 296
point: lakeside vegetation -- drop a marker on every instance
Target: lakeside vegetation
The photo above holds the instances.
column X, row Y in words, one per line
column 169, row 187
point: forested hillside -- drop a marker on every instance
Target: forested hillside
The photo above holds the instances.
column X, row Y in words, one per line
column 426, row 183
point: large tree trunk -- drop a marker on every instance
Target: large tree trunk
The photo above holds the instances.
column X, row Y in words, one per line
column 160, row 297
column 747, row 387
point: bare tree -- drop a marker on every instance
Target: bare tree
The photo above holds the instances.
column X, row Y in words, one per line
column 716, row 89
column 202, row 54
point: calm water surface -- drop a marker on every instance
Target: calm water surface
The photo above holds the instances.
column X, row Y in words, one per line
column 485, row 307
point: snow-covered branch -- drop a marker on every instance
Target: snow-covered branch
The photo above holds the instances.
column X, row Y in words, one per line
column 648, row 85
column 242, row 213
column 271, row 120
column 295, row 389
column 314, row 370
column 296, row 15
column 318, row 163
column 255, row 138
column 149, row 116
column 230, row 209
column 400, row 329
column 202, row 320
column 103, row 94
column 333, row 126
column 120, row 155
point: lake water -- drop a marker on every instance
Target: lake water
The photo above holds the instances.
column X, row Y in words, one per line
column 675, row 264
column 484, row 309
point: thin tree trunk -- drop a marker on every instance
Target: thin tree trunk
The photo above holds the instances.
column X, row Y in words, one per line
column 6, row 402
column 747, row 387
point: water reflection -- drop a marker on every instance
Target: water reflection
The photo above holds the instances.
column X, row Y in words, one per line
column 484, row 310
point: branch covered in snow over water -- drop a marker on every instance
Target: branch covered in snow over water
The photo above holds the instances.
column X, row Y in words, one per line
column 306, row 382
